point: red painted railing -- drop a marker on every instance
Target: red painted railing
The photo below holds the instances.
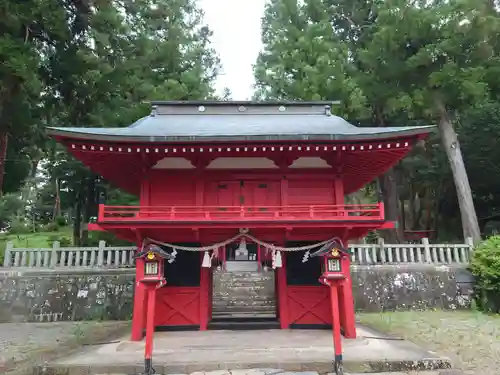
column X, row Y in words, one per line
column 363, row 212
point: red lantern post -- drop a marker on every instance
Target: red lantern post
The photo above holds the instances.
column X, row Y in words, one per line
column 336, row 271
column 154, row 258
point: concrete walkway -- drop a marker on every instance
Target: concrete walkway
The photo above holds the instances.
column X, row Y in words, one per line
column 290, row 350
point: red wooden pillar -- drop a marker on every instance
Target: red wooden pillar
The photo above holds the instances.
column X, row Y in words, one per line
column 337, row 339
column 150, row 326
column 346, row 301
column 139, row 309
column 282, row 293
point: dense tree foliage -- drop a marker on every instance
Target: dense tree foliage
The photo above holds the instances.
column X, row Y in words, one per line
column 68, row 63
column 401, row 62
column 397, row 62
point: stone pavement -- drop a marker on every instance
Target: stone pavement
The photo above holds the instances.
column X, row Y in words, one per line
column 269, row 371
column 290, row 350
column 31, row 343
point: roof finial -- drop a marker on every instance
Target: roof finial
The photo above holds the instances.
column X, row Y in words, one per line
column 154, row 110
column 328, row 110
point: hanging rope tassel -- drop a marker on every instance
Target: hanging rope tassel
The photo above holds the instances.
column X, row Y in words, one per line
column 206, row 260
column 173, row 253
column 305, row 258
column 277, row 262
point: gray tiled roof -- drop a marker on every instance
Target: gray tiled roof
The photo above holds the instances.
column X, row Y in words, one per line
column 220, row 125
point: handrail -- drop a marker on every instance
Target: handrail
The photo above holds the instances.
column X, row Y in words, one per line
column 229, row 213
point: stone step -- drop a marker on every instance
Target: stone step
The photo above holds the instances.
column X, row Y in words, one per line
column 243, row 315
column 256, row 297
column 239, row 266
column 244, row 326
column 244, row 280
column 250, row 308
column 243, row 288
column 253, row 280
column 246, row 306
column 244, row 274
column 243, row 284
column 243, row 309
column 244, row 294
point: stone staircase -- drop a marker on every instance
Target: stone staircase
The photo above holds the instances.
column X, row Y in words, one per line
column 243, row 298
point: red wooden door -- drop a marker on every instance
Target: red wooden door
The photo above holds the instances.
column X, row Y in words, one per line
column 260, row 194
column 223, row 194
column 256, row 196
column 228, row 193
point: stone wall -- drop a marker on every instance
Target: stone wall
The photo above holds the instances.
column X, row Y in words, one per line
column 79, row 294
column 72, row 294
column 412, row 286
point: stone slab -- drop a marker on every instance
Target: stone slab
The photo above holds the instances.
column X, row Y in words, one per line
column 260, row 371
column 290, row 350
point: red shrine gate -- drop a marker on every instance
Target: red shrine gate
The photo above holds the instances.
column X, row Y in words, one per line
column 205, row 171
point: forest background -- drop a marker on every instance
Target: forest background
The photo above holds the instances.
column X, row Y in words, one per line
column 390, row 63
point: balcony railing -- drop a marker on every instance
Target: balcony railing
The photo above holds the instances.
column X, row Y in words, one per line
column 363, row 212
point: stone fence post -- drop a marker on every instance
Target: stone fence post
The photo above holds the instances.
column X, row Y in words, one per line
column 427, row 250
column 54, row 259
column 7, row 260
column 470, row 242
column 100, row 254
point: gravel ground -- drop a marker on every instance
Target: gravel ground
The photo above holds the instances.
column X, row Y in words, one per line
column 470, row 339
column 25, row 344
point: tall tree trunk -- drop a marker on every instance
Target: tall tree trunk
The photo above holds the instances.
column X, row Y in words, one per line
column 57, row 203
column 90, row 204
column 388, row 187
column 77, row 223
column 411, row 206
column 77, row 214
column 402, row 213
column 390, row 195
column 470, row 225
column 4, row 139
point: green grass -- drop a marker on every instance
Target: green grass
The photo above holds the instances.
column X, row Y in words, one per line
column 469, row 338
column 35, row 240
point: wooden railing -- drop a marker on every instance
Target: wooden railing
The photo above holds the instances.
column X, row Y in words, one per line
column 241, row 213
column 122, row 257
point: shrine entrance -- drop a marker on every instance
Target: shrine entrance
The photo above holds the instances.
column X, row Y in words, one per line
column 244, row 290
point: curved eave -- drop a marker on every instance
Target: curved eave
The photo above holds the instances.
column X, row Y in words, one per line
column 122, row 135
column 125, row 168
